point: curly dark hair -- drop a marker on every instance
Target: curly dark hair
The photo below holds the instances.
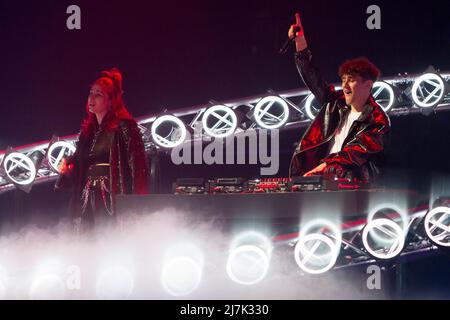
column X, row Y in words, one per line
column 360, row 67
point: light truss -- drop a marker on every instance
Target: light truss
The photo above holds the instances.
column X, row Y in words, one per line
column 191, row 116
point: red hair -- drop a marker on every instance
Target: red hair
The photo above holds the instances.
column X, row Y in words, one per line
column 360, row 67
column 111, row 82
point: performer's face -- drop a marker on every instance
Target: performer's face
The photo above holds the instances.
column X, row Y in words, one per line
column 98, row 100
column 356, row 89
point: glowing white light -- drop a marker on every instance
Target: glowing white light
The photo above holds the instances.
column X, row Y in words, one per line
column 269, row 115
column 117, row 282
column 224, row 119
column 428, row 90
column 379, row 89
column 254, row 238
column 311, row 258
column 437, row 226
column 181, row 276
column 247, row 264
column 47, row 287
column 177, row 128
column 308, row 107
column 57, row 151
column 392, row 230
column 388, row 206
column 18, row 160
column 334, row 231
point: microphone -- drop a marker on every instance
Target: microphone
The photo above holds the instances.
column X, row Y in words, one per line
column 288, row 42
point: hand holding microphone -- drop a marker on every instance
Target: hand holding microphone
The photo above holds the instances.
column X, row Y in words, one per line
column 295, row 33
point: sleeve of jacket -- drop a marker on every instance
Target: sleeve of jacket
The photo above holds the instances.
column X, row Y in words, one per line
column 65, row 181
column 312, row 77
column 366, row 144
column 135, row 156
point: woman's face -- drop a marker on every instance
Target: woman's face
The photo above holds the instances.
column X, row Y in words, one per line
column 98, row 100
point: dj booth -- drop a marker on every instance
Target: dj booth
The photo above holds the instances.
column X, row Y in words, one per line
column 269, row 209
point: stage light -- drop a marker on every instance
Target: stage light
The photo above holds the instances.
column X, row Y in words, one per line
column 182, row 269
column 437, row 226
column 181, row 276
column 428, row 90
column 47, row 282
column 168, row 131
column 219, row 121
column 249, row 258
column 271, row 112
column 315, row 253
column 310, row 108
column 384, row 95
column 57, row 151
column 19, row 169
column 383, row 248
column 404, row 219
column 116, row 282
column 333, row 231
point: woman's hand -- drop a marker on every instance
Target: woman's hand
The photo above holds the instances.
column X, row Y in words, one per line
column 64, row 166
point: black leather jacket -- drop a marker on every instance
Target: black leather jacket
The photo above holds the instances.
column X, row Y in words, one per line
column 128, row 167
column 363, row 150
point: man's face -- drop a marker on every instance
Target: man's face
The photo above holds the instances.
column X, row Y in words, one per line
column 356, row 89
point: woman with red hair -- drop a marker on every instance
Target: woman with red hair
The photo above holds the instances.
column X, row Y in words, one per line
column 109, row 157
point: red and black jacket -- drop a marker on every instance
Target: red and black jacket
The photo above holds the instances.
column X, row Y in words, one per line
column 363, row 150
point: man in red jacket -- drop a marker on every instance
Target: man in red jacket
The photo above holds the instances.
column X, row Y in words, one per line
column 348, row 136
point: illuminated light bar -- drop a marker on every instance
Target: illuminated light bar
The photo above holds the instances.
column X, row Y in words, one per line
column 315, row 253
column 181, row 276
column 437, row 226
column 176, row 125
column 224, row 121
column 271, row 112
column 390, row 246
column 57, row 151
column 115, row 283
column 16, row 160
column 428, row 90
column 379, row 90
column 247, row 264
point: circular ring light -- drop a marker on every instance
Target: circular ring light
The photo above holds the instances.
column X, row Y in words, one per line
column 271, row 112
column 247, row 264
column 18, row 160
column 380, row 90
column 402, row 214
column 437, row 226
column 62, row 149
column 428, row 90
column 165, row 140
column 392, row 230
column 181, row 276
column 321, row 223
column 311, row 261
column 223, row 119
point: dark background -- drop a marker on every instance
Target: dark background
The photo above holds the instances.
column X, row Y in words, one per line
column 176, row 54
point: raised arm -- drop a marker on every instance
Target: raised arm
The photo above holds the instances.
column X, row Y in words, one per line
column 309, row 73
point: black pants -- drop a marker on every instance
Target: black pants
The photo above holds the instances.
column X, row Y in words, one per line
column 96, row 205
